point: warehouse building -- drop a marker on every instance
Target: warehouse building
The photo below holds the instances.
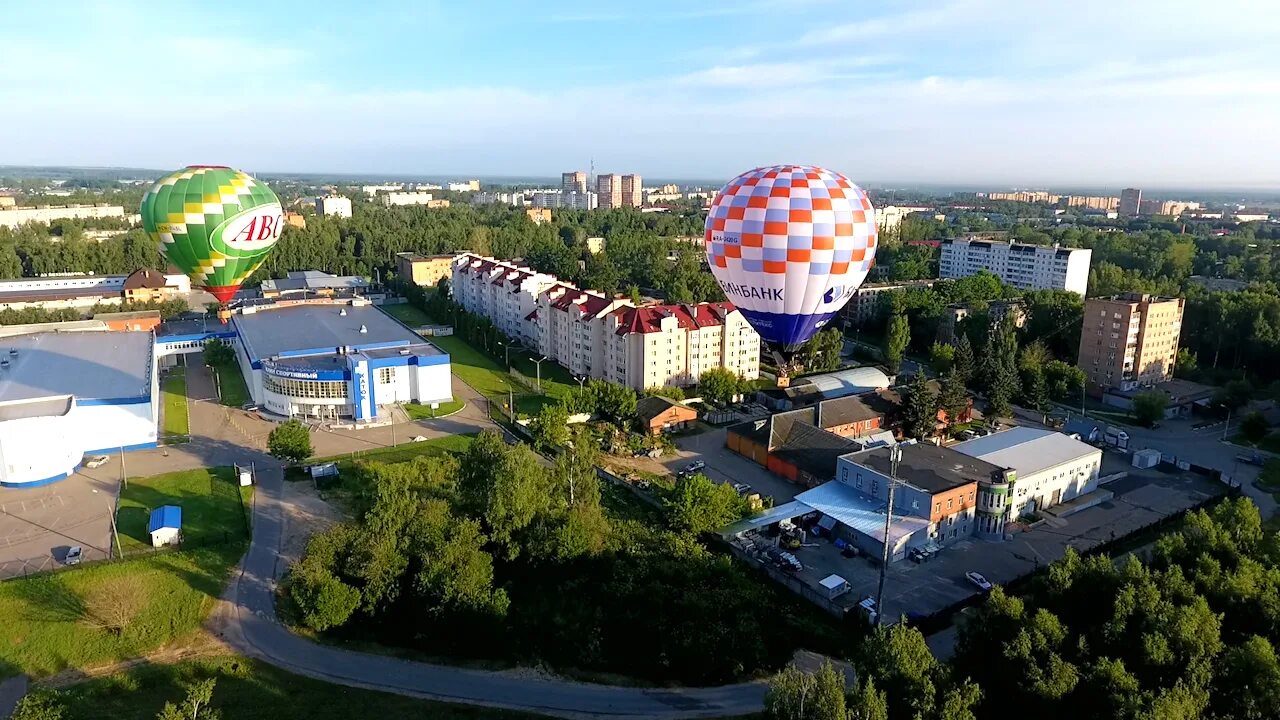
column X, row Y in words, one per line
column 1048, row 468
column 335, row 359
column 67, row 394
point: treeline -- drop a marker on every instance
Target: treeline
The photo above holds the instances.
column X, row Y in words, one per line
column 494, row 555
column 30, row 251
column 28, row 316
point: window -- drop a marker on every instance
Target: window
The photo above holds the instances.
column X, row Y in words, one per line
column 858, row 482
column 875, row 485
column 386, row 376
column 323, row 389
column 950, row 502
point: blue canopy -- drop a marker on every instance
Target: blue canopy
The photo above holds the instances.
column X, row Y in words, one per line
column 165, row 516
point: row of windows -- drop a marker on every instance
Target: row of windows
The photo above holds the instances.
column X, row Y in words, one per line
column 322, row 389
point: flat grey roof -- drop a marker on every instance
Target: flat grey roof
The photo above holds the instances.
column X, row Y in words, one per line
column 929, row 467
column 271, row 330
column 88, row 365
column 1027, row 450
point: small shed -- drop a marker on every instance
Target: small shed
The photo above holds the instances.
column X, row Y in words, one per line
column 834, row 586
column 658, row 414
column 1148, row 458
column 165, row 525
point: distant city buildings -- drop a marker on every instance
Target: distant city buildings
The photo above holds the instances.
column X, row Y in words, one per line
column 539, row 215
column 1129, row 340
column 570, row 200
column 632, row 192
column 503, row 198
column 1130, row 201
column 573, row 182
column 7, row 201
column 609, row 191
column 890, row 217
column 464, row 186
column 1030, row 267
column 335, row 205
column 597, row 336
column 372, row 190
column 12, row 216
column 407, row 198
column 861, row 308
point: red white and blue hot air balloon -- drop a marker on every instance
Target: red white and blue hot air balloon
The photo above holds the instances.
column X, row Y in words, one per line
column 789, row 244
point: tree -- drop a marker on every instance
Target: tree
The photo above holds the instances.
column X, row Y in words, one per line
column 941, row 357
column 290, row 441
column 866, row 702
column 633, row 294
column 550, row 428
column 718, row 385
column 696, row 505
column 896, row 338
column 614, row 401
column 952, row 397
column 1148, row 407
column 41, row 704
column 1254, row 427
column 797, row 695
column 323, row 600
column 667, row 391
column 1000, row 368
column 1249, row 685
column 112, row 603
column 195, row 706
column 218, row 354
column 822, row 351
column 964, row 362
column 920, row 416
column 1185, row 365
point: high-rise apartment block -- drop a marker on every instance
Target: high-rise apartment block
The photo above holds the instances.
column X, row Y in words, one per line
column 1130, row 201
column 573, row 182
column 609, row 190
column 1129, row 340
column 1031, row 267
column 333, row 205
column 632, row 196
column 597, row 336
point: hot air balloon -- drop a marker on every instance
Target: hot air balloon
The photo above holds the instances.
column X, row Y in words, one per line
column 790, row 244
column 213, row 223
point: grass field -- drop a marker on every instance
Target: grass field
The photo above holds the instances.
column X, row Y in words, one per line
column 231, row 385
column 174, row 387
column 250, row 689
column 424, row 412
column 212, row 507
column 52, row 621
column 407, row 314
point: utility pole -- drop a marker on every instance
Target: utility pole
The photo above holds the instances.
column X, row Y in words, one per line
column 1228, row 425
column 895, row 456
column 112, row 516
column 124, row 472
column 1082, row 413
column 538, row 364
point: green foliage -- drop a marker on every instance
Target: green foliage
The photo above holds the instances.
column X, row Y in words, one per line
column 40, row 705
column 941, row 357
column 196, row 704
column 290, row 441
column 797, row 695
column 667, row 391
column 867, row 702
column 697, row 505
column 999, row 368
column 218, row 353
column 1149, row 407
column 1185, row 365
column 1063, row 381
column 897, row 337
column 1254, row 427
column 550, row 427
column 920, row 416
column 615, row 402
column 952, row 397
column 964, row 363
column 822, row 351
column 719, row 385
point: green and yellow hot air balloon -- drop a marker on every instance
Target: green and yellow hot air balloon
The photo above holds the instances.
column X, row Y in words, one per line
column 213, row 223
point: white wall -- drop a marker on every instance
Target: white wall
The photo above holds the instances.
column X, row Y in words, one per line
column 37, row 448
column 1074, row 479
column 434, row 383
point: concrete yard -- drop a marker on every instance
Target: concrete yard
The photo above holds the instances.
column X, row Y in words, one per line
column 724, row 465
column 38, row 525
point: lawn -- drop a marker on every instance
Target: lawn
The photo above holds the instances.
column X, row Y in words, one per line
column 231, row 385
column 212, row 507
column 406, row 451
column 176, row 425
column 407, row 314
column 251, row 689
column 54, row 621
column 424, row 412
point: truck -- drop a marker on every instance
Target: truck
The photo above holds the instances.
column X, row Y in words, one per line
column 1251, row 459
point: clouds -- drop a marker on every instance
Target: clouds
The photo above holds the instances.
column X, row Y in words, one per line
column 963, row 92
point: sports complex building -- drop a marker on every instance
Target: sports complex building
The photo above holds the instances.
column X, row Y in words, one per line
column 67, row 394
column 335, row 359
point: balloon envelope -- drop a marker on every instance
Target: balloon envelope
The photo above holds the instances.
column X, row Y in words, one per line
column 213, row 223
column 790, row 244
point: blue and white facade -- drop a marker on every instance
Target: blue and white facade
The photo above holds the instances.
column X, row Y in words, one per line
column 71, row 394
column 335, row 360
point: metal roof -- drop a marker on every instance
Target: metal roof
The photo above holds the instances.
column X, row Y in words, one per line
column 1027, row 450
column 845, row 382
column 165, row 516
column 930, row 468
column 271, row 330
column 859, row 512
column 86, row 364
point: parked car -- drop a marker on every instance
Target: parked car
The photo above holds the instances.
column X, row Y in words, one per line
column 1252, row 459
column 919, row 555
column 694, row 467
column 741, row 488
column 93, row 461
column 73, row 556
column 978, row 581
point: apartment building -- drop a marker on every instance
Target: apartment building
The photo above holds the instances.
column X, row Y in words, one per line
column 597, row 336
column 1130, row 201
column 1129, row 341
column 333, row 205
column 1031, row 267
column 632, row 192
column 573, row 182
column 392, row 199
column 12, row 217
column 574, row 200
column 425, row 270
column 609, row 191
column 504, row 292
column 861, row 308
column 997, row 310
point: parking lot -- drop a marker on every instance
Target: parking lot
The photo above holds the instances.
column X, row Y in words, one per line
column 724, row 465
column 39, row 525
column 923, row 589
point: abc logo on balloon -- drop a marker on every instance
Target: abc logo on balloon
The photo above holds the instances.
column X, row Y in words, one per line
column 254, row 229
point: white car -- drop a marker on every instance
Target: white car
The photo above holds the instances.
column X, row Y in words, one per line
column 978, row 581
column 73, row 556
column 93, row 461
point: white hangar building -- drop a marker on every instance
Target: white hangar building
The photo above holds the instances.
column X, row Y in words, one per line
column 67, row 394
column 335, row 359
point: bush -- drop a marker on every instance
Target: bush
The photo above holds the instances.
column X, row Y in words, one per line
column 1254, row 427
column 290, row 441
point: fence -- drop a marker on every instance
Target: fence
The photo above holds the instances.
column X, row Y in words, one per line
column 791, row 582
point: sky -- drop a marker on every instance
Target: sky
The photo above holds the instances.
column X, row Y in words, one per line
column 1017, row 93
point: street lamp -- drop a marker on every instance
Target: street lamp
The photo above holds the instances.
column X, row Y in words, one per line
column 538, row 364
